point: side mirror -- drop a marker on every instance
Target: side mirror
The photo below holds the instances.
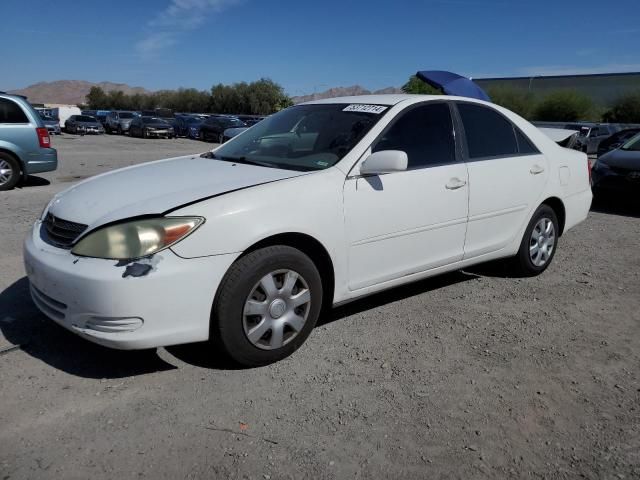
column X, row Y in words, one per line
column 385, row 161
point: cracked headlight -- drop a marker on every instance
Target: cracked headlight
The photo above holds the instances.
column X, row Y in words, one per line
column 137, row 238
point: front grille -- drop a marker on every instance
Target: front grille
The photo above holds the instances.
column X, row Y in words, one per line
column 61, row 233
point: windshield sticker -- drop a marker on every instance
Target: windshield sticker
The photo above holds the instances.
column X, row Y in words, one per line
column 359, row 107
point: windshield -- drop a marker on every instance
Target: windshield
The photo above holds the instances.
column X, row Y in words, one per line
column 303, row 137
column 632, row 145
column 86, row 119
column 125, row 115
column 232, row 123
column 194, row 120
column 148, row 120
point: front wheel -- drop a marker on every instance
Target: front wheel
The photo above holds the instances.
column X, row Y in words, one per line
column 539, row 243
column 268, row 304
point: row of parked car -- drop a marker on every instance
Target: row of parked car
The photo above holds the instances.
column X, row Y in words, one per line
column 594, row 138
column 161, row 123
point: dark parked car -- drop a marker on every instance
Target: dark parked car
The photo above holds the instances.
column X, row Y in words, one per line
column 591, row 135
column 212, row 130
column 616, row 140
column 83, row 124
column 189, row 126
column 146, row 127
column 618, row 170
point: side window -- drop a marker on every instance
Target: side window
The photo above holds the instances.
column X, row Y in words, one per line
column 425, row 133
column 525, row 147
column 10, row 112
column 488, row 133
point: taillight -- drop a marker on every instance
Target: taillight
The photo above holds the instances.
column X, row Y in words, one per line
column 43, row 137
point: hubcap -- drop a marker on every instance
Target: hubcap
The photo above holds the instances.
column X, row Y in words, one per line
column 276, row 310
column 543, row 239
column 6, row 172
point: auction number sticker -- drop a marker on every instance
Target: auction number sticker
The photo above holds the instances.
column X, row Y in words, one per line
column 360, row 107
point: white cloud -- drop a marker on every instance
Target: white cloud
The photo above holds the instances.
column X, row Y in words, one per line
column 179, row 17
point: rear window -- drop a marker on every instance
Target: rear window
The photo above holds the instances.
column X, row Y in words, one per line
column 11, row 112
column 85, row 118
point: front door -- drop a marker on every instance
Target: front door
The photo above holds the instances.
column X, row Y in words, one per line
column 412, row 221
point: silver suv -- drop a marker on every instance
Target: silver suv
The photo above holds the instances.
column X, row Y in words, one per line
column 25, row 145
column 118, row 122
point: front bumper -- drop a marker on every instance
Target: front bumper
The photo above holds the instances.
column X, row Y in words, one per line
column 608, row 179
column 167, row 303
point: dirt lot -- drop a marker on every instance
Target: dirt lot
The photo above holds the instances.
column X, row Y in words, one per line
column 468, row 375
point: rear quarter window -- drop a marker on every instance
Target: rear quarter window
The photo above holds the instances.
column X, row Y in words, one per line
column 11, row 112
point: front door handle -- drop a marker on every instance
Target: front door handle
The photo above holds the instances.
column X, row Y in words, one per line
column 455, row 183
column 536, row 170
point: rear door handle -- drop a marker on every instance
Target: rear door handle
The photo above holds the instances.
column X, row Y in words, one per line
column 455, row 183
column 536, row 170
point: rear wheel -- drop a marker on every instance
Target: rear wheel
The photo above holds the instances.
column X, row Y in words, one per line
column 9, row 171
column 539, row 243
column 268, row 304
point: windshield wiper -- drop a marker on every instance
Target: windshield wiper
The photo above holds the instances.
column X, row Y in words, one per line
column 243, row 160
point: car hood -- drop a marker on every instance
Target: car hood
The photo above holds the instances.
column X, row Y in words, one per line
column 125, row 121
column 626, row 159
column 155, row 188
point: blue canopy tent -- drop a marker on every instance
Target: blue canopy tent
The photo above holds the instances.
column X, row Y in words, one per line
column 452, row 84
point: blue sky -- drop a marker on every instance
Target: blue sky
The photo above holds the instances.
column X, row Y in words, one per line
column 309, row 46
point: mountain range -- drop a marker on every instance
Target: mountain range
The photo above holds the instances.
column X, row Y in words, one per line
column 74, row 92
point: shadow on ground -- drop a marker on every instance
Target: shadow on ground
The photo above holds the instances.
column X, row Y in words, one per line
column 33, row 181
column 22, row 324
column 626, row 206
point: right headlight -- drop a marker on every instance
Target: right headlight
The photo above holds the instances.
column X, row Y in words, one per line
column 137, row 238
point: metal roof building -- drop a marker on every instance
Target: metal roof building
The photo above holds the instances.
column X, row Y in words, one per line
column 602, row 88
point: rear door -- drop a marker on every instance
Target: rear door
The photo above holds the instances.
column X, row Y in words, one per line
column 507, row 175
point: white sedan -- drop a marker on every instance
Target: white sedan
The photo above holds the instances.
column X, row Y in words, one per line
column 317, row 205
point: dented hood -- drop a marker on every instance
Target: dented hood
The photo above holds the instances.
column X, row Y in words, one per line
column 156, row 187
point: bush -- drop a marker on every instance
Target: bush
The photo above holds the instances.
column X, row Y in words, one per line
column 564, row 106
column 518, row 101
column 624, row 110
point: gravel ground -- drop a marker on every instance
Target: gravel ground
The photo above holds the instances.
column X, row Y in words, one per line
column 467, row 375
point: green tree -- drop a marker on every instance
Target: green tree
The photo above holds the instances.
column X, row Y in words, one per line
column 625, row 109
column 516, row 100
column 564, row 106
column 417, row 86
column 97, row 99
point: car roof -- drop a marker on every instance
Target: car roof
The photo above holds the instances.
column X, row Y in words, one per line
column 390, row 99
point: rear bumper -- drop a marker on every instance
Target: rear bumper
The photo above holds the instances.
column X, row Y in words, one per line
column 46, row 160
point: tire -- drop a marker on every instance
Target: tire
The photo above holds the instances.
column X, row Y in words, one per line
column 542, row 232
column 231, row 328
column 120, row 130
column 201, row 136
column 9, row 171
column 144, row 133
